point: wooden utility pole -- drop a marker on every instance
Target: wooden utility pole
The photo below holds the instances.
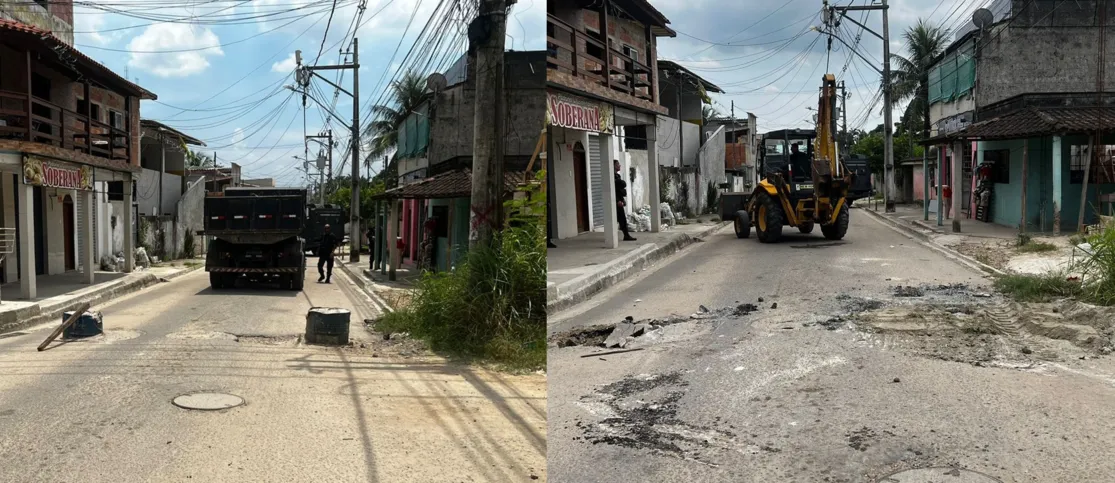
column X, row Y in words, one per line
column 488, row 35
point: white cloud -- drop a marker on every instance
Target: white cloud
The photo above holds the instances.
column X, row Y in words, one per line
column 286, row 66
column 169, row 37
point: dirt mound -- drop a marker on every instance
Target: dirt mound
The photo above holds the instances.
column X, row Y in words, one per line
column 980, row 333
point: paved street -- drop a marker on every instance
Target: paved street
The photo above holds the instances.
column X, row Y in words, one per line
column 795, row 393
column 100, row 409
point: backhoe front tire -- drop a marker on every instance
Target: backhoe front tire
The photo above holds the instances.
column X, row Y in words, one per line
column 742, row 224
column 806, row 228
column 768, row 219
column 837, row 230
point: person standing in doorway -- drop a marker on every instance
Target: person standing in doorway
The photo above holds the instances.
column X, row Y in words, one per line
column 371, row 234
column 325, row 259
column 946, row 193
column 621, row 195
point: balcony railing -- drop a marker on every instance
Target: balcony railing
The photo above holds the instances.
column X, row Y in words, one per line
column 40, row 121
column 583, row 55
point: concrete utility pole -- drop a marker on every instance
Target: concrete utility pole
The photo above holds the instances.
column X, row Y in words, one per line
column 326, row 166
column 304, row 81
column 354, row 211
column 888, row 124
column 487, row 152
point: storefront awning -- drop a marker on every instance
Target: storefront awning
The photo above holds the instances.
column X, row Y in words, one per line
column 1034, row 122
column 454, row 184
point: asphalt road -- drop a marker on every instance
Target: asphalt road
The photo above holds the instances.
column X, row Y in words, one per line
column 100, row 409
column 774, row 396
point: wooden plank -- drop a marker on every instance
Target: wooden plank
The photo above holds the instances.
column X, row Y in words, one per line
column 46, row 120
column 68, row 322
column 559, row 43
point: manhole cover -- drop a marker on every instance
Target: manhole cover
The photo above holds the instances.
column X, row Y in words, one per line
column 208, row 401
column 938, row 475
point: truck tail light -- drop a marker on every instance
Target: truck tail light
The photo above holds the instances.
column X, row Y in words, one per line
column 265, row 217
column 216, row 217
column 238, row 217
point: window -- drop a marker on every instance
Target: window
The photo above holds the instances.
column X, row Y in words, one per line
column 1000, row 165
column 1103, row 168
column 1079, row 160
column 631, row 52
column 116, row 119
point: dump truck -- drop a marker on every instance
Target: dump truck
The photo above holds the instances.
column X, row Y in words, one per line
column 318, row 217
column 256, row 234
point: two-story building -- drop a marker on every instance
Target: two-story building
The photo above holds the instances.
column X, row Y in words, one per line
column 1036, row 84
column 434, row 158
column 601, row 73
column 741, row 139
column 69, row 138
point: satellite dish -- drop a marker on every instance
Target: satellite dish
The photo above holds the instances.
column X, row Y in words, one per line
column 982, row 18
column 436, row 82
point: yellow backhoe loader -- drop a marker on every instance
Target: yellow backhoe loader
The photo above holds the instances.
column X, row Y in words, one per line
column 804, row 183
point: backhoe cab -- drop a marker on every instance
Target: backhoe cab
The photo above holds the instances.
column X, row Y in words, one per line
column 804, row 182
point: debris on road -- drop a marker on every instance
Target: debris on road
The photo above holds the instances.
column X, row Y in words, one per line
column 641, row 413
column 774, row 305
column 608, row 353
column 622, row 333
column 908, row 291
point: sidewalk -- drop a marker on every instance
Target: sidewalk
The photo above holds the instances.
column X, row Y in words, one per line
column 59, row 293
column 985, row 246
column 580, row 267
column 389, row 295
column 913, row 215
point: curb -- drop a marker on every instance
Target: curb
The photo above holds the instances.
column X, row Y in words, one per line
column 365, row 284
column 572, row 292
column 927, row 239
column 38, row 314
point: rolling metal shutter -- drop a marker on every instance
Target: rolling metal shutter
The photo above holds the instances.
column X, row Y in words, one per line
column 596, row 172
column 79, row 228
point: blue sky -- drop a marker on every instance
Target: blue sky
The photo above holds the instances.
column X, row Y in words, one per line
column 774, row 64
column 223, row 83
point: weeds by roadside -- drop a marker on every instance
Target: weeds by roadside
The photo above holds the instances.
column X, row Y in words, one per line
column 1037, row 247
column 1093, row 280
column 492, row 307
column 1037, row 288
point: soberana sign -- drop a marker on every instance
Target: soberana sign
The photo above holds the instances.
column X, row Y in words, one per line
column 40, row 172
column 582, row 116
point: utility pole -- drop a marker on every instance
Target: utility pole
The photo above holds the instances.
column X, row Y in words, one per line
column 354, row 211
column 323, row 166
column 305, row 73
column 487, row 152
column 888, row 124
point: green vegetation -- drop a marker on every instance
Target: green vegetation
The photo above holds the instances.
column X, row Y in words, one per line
column 1097, row 273
column 1037, row 247
column 1037, row 288
column 492, row 307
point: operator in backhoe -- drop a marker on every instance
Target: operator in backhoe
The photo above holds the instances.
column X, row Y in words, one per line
column 799, row 161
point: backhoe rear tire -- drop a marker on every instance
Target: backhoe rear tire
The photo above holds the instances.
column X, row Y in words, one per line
column 742, row 224
column 837, row 230
column 806, row 228
column 768, row 219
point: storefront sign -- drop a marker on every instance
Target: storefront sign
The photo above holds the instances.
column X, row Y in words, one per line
column 955, row 123
column 40, row 172
column 579, row 115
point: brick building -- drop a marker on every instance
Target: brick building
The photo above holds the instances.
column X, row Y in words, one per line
column 601, row 73
column 69, row 143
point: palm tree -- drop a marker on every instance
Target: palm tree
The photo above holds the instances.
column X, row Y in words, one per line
column 407, row 94
column 195, row 159
column 708, row 113
column 910, row 76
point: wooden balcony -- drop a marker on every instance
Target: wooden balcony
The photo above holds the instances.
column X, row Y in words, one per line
column 29, row 118
column 583, row 55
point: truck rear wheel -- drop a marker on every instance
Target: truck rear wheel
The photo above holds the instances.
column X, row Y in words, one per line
column 216, row 280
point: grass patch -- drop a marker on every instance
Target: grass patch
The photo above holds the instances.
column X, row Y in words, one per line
column 1099, row 268
column 1037, row 288
column 1037, row 247
column 492, row 307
